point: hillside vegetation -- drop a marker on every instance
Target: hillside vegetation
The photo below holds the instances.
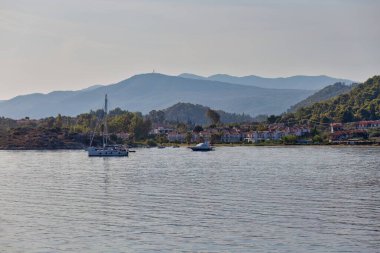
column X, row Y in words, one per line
column 65, row 132
column 196, row 114
column 324, row 94
column 361, row 103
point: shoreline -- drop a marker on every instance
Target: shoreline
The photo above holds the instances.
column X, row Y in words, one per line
column 216, row 145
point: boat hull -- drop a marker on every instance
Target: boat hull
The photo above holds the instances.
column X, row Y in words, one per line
column 205, row 146
column 201, row 149
column 106, row 152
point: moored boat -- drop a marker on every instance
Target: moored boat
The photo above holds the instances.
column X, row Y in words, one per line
column 204, row 146
column 106, row 149
column 109, row 150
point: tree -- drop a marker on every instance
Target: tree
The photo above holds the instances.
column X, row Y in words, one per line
column 157, row 116
column 188, row 137
column 213, row 116
column 198, row 129
column 345, row 115
column 317, row 139
column 50, row 122
column 289, row 139
column 181, row 127
column 116, row 111
column 58, row 121
column 119, row 123
column 273, row 119
column 139, row 127
column 314, row 131
column 161, row 139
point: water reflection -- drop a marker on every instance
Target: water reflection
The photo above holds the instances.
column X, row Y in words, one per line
column 106, row 166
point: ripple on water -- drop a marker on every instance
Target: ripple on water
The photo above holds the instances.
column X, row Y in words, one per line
column 241, row 199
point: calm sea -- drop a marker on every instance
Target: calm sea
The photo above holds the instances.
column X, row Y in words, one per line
column 235, row 199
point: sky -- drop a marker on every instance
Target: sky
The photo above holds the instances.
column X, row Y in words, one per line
column 48, row 45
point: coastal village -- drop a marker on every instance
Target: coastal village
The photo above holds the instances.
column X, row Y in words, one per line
column 355, row 132
column 240, row 134
column 63, row 132
column 340, row 133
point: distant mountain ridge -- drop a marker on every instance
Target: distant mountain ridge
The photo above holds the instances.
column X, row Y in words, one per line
column 323, row 94
column 292, row 82
column 155, row 91
column 93, row 87
column 192, row 76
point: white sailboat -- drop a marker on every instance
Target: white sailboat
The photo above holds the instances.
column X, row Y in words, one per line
column 107, row 149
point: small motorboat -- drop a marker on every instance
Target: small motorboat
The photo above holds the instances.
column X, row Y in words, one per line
column 204, row 146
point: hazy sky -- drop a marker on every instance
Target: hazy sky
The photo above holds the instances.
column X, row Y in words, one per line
column 71, row 44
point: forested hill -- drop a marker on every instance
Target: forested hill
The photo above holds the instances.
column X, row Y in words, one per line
column 196, row 114
column 361, row 103
column 324, row 94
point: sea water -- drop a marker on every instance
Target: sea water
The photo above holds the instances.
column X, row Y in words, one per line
column 233, row 199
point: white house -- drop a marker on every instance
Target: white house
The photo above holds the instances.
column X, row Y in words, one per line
column 176, row 137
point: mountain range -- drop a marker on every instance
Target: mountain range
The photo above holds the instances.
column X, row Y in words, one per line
column 293, row 82
column 147, row 92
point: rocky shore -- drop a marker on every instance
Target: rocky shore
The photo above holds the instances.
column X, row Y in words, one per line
column 41, row 139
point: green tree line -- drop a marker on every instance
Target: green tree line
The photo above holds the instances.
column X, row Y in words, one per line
column 361, row 103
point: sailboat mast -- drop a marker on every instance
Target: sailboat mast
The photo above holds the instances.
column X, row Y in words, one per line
column 105, row 135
